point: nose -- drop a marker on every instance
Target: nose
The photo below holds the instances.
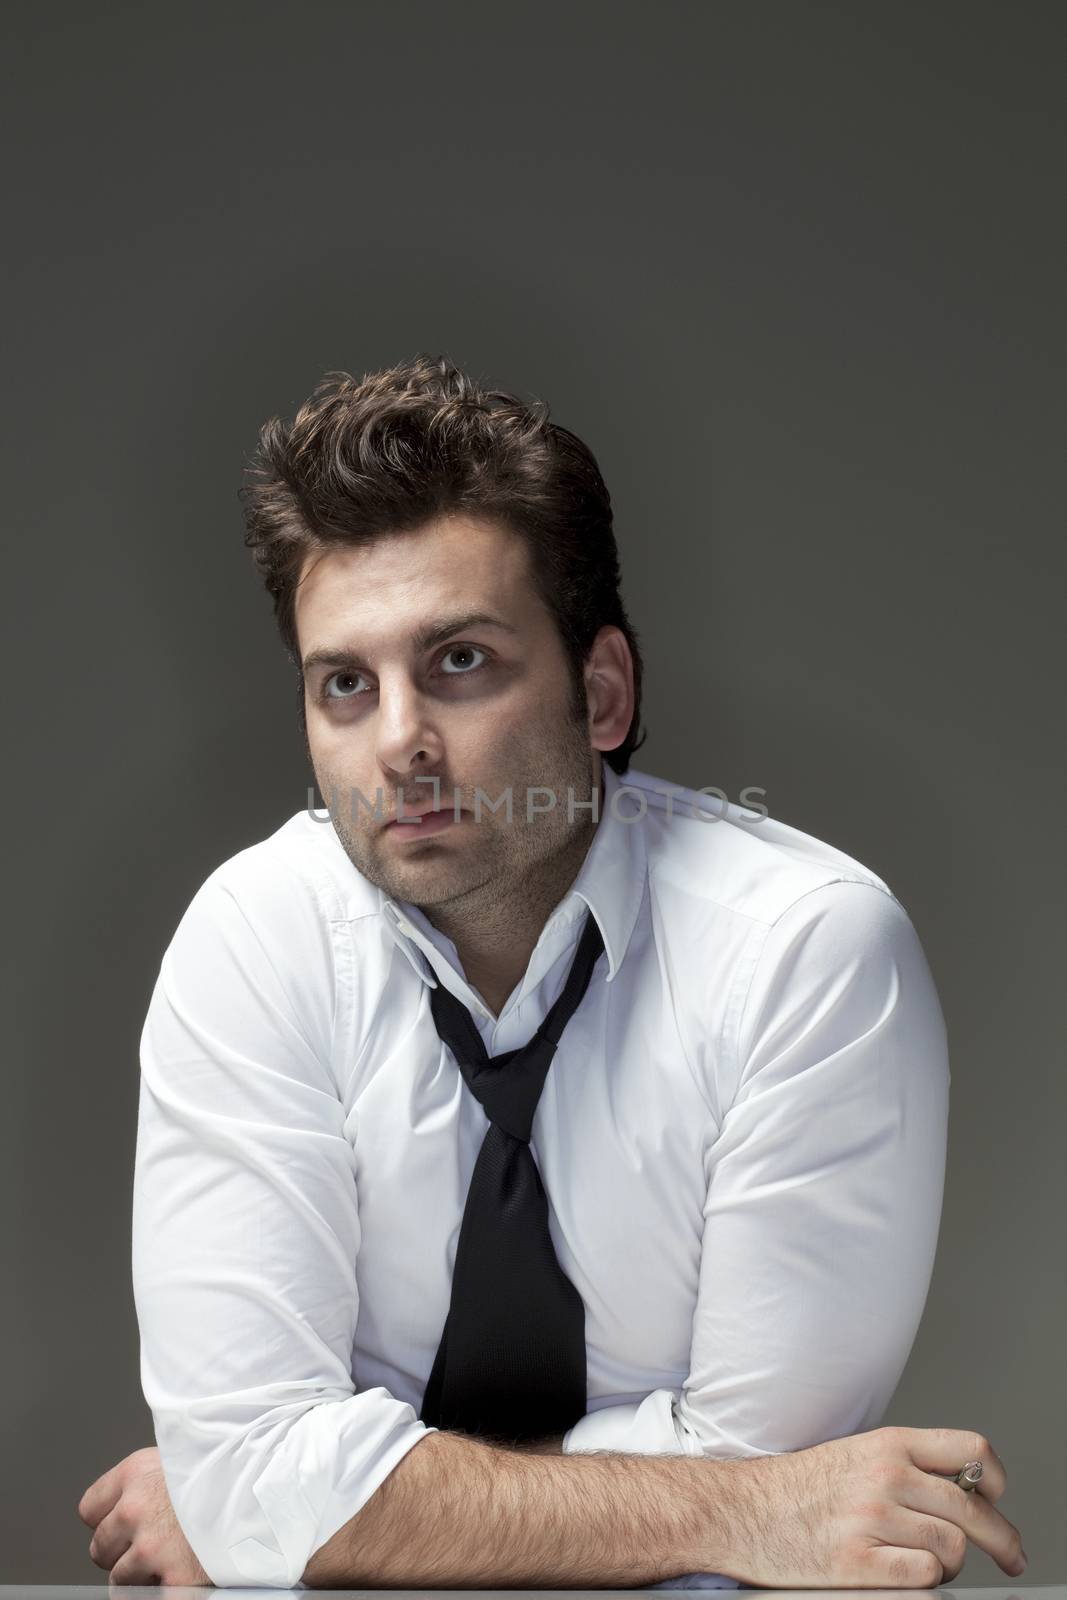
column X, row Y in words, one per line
column 406, row 735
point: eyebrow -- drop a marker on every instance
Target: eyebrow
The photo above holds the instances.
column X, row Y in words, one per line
column 423, row 639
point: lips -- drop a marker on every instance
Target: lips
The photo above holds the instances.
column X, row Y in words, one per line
column 413, row 816
column 422, row 825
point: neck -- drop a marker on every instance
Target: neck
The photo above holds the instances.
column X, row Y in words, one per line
column 496, row 932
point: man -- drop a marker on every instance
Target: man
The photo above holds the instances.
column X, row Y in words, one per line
column 624, row 1306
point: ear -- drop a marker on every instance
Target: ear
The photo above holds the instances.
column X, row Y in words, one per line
column 609, row 687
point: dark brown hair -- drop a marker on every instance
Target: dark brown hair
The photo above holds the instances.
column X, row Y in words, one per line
column 421, row 440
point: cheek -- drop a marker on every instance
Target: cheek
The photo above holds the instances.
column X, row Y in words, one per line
column 340, row 741
column 501, row 746
column 341, row 772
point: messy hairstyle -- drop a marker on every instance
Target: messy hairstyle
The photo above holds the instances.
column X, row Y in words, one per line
column 419, row 441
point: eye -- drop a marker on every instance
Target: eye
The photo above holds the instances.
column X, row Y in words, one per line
column 351, row 677
column 346, row 676
column 463, row 650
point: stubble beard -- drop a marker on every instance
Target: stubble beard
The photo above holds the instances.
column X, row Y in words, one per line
column 520, row 869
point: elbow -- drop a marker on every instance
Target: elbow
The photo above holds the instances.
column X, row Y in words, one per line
column 244, row 1530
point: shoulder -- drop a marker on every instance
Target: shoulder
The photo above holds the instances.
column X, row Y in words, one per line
column 277, row 913
column 298, row 871
column 265, row 943
column 767, row 918
column 732, row 860
column 812, row 954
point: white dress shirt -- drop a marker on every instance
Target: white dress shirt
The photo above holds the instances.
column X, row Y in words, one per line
column 742, row 1136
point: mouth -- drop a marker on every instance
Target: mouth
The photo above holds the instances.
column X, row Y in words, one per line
column 420, row 824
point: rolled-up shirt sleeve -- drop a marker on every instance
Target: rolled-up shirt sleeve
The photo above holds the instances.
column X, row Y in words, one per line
column 644, row 1427
column 245, row 1239
column 823, row 1200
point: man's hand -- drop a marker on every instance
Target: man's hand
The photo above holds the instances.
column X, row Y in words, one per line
column 137, row 1538
column 874, row 1510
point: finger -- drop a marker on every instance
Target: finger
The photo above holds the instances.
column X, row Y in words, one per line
column 946, row 1450
column 887, row 1566
column 110, row 1541
column 978, row 1518
column 133, row 1568
column 902, row 1528
column 100, row 1497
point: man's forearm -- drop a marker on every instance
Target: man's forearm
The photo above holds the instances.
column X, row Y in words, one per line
column 457, row 1512
column 550, row 1445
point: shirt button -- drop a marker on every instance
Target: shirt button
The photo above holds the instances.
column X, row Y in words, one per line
column 405, row 927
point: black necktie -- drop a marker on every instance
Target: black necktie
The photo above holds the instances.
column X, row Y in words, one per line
column 511, row 1361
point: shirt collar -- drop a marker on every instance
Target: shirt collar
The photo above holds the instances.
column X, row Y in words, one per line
column 610, row 883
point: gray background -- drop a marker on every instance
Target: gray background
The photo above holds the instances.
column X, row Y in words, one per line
column 793, row 271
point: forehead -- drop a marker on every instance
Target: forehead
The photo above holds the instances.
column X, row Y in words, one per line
column 454, row 564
